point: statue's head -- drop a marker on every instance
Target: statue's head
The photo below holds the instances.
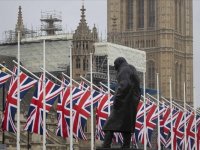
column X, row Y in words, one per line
column 119, row 62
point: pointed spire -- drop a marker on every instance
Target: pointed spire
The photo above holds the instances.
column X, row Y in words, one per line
column 83, row 13
column 19, row 25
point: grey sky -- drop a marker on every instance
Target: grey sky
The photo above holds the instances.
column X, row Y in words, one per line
column 96, row 13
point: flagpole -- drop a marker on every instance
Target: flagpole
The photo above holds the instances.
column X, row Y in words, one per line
column 74, row 81
column 158, row 102
column 71, row 117
column 195, row 127
column 44, row 94
column 3, row 105
column 172, row 135
column 108, row 85
column 184, row 103
column 144, row 86
column 92, row 84
column 91, row 98
column 18, row 93
column 195, row 123
column 8, row 69
column 27, row 71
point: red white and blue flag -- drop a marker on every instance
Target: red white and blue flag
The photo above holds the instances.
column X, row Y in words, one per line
column 63, row 109
column 81, row 111
column 167, row 127
column 34, row 121
column 151, row 120
column 102, row 115
column 190, row 132
column 139, row 126
column 3, row 77
column 26, row 83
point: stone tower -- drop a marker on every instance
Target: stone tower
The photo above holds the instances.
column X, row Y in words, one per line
column 83, row 40
column 162, row 28
column 19, row 25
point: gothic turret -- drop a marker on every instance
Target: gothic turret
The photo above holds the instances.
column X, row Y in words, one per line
column 83, row 40
column 19, row 25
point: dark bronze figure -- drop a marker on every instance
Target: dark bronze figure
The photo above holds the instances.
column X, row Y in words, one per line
column 123, row 115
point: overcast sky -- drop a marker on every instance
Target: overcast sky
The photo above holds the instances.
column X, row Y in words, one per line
column 96, row 13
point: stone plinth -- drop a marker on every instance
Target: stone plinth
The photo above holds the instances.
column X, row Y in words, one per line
column 117, row 149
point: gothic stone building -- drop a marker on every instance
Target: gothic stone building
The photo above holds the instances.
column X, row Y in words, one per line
column 164, row 30
column 83, row 40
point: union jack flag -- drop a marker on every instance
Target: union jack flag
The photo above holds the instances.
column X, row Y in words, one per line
column 190, row 132
column 34, row 121
column 198, row 132
column 163, row 119
column 167, row 126
column 102, row 115
column 63, row 109
column 81, row 110
column 151, row 120
column 11, row 100
column 83, row 86
column 177, row 129
column 139, row 126
column 180, row 129
column 3, row 77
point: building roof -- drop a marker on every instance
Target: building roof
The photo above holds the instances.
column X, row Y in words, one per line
column 133, row 56
column 31, row 53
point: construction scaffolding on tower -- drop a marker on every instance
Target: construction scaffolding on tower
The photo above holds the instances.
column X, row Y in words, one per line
column 51, row 22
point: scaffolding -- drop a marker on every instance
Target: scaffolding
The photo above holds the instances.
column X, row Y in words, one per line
column 51, row 22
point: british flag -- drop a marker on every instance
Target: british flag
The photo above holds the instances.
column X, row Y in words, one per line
column 82, row 109
column 139, row 126
column 190, row 132
column 167, row 126
column 3, row 77
column 63, row 109
column 198, row 131
column 26, row 83
column 83, row 86
column 102, row 115
column 180, row 129
column 163, row 119
column 34, row 121
column 151, row 121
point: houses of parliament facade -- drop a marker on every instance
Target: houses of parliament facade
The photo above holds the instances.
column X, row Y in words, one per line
column 164, row 30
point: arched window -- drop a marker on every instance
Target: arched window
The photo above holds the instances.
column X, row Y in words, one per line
column 176, row 80
column 129, row 11
column 180, row 82
column 151, row 9
column 140, row 13
column 87, row 64
column 78, row 62
column 151, row 74
column 84, row 64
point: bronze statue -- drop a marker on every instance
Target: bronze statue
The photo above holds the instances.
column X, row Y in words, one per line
column 123, row 115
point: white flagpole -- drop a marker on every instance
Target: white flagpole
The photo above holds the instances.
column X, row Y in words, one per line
column 185, row 138
column 18, row 93
column 71, row 117
column 172, row 135
column 158, row 104
column 195, row 127
column 145, row 127
column 91, row 98
column 44, row 97
column 108, row 85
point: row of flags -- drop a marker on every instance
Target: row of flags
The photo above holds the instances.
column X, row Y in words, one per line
column 182, row 123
